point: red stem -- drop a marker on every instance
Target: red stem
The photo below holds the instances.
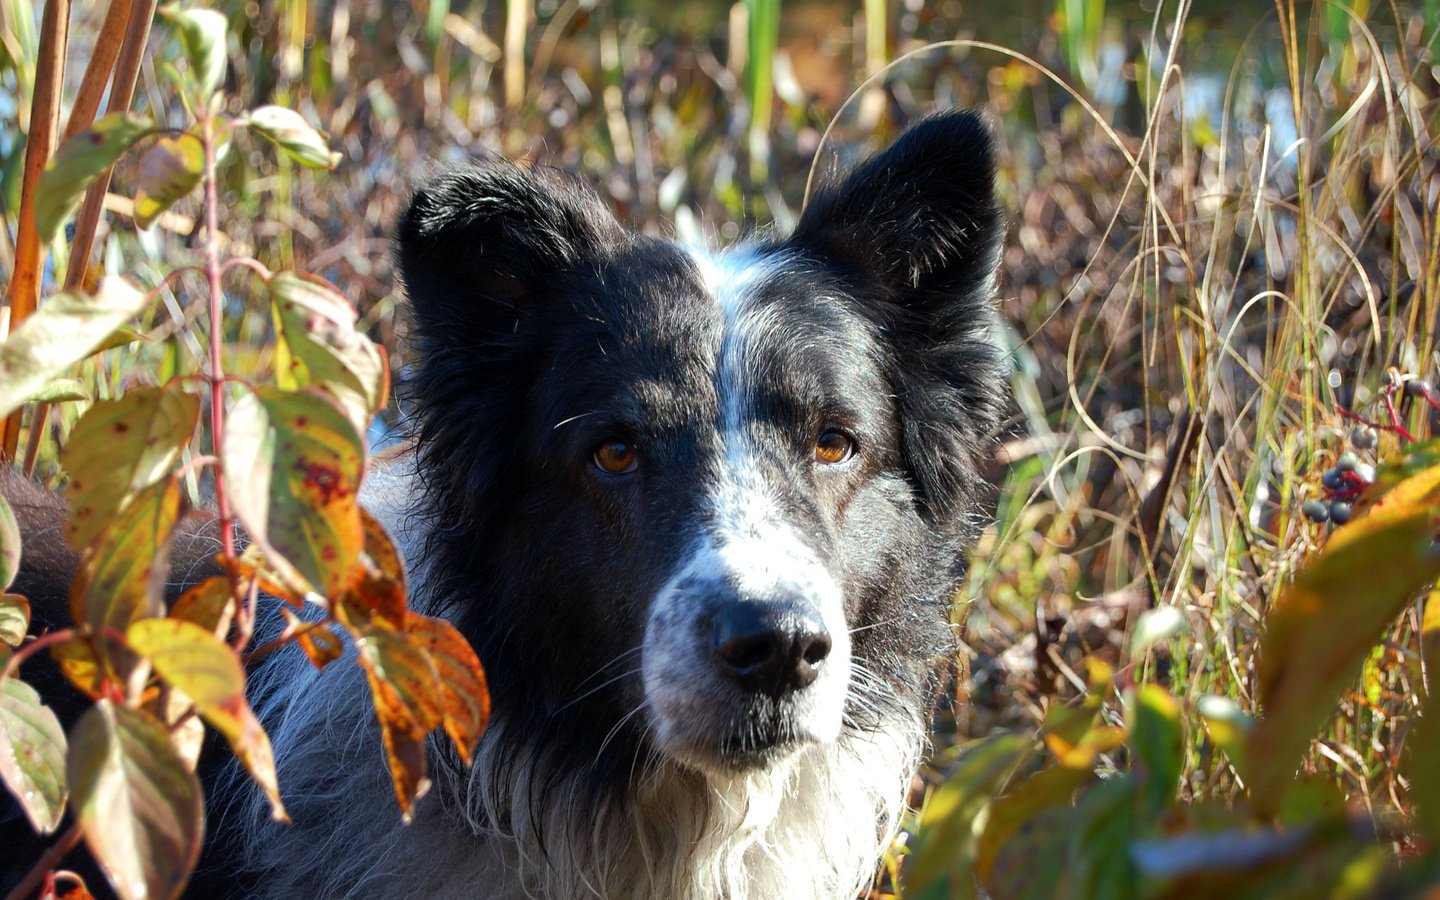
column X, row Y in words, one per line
column 53, row 855
column 45, row 640
column 217, row 374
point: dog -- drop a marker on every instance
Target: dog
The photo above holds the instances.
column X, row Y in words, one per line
column 702, row 516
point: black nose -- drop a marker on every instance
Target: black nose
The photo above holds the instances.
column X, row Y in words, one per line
column 774, row 648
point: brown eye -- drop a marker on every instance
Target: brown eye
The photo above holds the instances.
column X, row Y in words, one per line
column 833, row 447
column 615, row 457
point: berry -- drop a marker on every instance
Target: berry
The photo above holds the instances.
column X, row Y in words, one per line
column 1347, row 462
column 1332, row 480
column 1363, row 437
column 1339, row 512
column 1316, row 510
column 1365, row 472
column 1418, row 387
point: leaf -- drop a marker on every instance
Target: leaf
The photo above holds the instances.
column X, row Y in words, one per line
column 320, row 645
column 1420, row 746
column 139, row 806
column 292, row 134
column 1323, row 625
column 1152, row 715
column 60, row 390
column 169, row 171
column 318, row 325
column 202, row 38
column 32, row 754
column 192, row 659
column 123, row 574
column 209, row 604
column 378, row 593
column 9, row 545
column 78, row 162
column 465, row 697
column 64, row 330
column 293, row 464
column 945, row 848
column 14, row 619
column 118, row 449
column 1227, row 726
column 1046, row 789
column 404, row 685
column 1156, row 625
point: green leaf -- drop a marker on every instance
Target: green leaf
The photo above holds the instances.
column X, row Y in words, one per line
column 193, row 660
column 64, row 330
column 9, row 544
column 1047, row 789
column 293, row 463
column 14, row 619
column 1227, row 726
column 169, row 171
column 137, row 801
column 296, row 137
column 78, row 162
column 1323, row 625
column 209, row 604
column 1152, row 715
column 202, row 38
column 318, row 325
column 32, row 754
column 943, row 860
column 119, row 448
column 60, row 390
column 123, row 573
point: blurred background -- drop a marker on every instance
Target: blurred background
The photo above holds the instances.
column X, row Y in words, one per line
column 1222, row 230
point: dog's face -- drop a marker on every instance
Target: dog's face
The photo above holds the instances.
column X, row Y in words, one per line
column 709, row 506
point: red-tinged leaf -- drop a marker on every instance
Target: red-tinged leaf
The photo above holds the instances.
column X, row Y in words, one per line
column 378, row 593
column 64, row 330
column 193, row 660
column 464, row 695
column 119, row 448
column 78, row 161
column 300, row 141
column 1047, row 789
column 320, row 644
column 138, row 804
column 9, row 545
column 169, row 171
column 123, row 574
column 14, row 619
column 1324, row 624
column 81, row 666
column 285, row 584
column 77, row 891
column 293, row 464
column 209, row 604
column 32, row 754
column 405, row 687
column 318, row 326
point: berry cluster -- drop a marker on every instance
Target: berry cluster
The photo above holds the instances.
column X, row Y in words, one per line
column 1341, row 484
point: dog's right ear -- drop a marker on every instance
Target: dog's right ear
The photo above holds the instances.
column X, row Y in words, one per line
column 476, row 246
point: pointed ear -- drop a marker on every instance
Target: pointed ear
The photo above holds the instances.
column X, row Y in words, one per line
column 476, row 247
column 916, row 232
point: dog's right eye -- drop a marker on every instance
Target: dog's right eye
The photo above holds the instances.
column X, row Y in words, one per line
column 615, row 457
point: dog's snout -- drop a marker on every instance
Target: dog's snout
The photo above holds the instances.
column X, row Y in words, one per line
column 769, row 647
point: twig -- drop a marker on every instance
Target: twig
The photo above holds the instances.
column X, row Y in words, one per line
column 53, row 855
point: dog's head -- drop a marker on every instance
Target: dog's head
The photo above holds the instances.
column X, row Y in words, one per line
column 708, row 505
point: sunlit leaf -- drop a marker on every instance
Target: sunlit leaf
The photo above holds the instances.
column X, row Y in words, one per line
column 319, row 643
column 293, row 464
column 325, row 350
column 64, row 330
column 1227, row 726
column 169, row 171
column 464, row 696
column 60, row 390
column 300, row 141
column 124, row 571
column 119, row 448
column 191, row 658
column 32, row 754
column 14, row 619
column 379, row 591
column 9, row 545
column 1323, row 625
column 138, row 803
column 1152, row 715
column 77, row 163
column 209, row 604
column 404, row 685
column 202, row 38
column 1156, row 625
column 944, row 855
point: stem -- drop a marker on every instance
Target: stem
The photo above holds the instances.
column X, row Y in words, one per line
column 217, row 374
column 53, row 855
column 35, row 646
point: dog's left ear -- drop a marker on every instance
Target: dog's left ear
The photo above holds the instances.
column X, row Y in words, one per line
column 917, row 232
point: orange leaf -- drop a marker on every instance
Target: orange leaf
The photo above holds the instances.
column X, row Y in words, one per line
column 464, row 694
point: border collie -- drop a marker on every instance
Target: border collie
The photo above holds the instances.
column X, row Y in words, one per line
column 701, row 514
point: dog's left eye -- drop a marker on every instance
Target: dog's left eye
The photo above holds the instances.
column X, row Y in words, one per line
column 615, row 457
column 833, row 447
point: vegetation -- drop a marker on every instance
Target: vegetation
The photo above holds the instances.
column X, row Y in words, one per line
column 1197, row 648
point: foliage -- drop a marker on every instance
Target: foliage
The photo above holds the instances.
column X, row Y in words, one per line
column 285, row 460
